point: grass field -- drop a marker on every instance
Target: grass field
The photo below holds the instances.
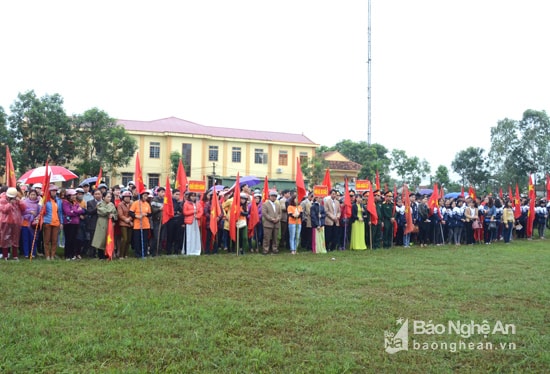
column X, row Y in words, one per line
column 283, row 314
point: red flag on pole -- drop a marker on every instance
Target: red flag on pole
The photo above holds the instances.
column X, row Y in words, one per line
column 433, row 201
column 235, row 211
column 409, row 225
column 377, row 180
column 168, row 209
column 99, row 176
column 265, row 192
column 181, row 180
column 215, row 212
column 547, row 187
column 140, row 186
column 462, row 191
column 110, row 243
column 501, row 194
column 371, row 208
column 10, row 170
column 346, row 209
column 531, row 213
column 510, row 196
column 326, row 180
column 253, row 217
column 517, row 204
column 472, row 192
column 300, row 185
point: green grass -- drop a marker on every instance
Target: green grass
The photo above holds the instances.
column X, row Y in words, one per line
column 284, row 314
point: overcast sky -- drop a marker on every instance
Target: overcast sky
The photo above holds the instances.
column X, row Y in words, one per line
column 443, row 72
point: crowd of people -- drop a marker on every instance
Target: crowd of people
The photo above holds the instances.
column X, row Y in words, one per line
column 78, row 220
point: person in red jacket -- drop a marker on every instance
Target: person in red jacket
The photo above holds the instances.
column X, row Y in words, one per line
column 11, row 218
column 192, row 213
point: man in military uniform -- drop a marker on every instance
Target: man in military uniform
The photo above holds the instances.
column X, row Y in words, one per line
column 387, row 219
column 377, row 229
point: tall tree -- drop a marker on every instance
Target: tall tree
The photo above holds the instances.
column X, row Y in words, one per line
column 521, row 147
column 442, row 175
column 411, row 170
column 372, row 157
column 5, row 138
column 175, row 157
column 41, row 130
column 472, row 166
column 314, row 170
column 101, row 143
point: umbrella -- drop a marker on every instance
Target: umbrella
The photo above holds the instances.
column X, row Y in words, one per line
column 426, row 191
column 454, row 195
column 57, row 174
column 250, row 180
column 90, row 181
column 217, row 187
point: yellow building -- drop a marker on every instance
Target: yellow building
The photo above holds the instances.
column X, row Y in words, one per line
column 340, row 167
column 214, row 152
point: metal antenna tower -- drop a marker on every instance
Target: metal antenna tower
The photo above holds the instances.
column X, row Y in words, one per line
column 369, row 62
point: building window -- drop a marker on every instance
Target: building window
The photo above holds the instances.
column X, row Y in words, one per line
column 283, row 158
column 303, row 158
column 153, row 180
column 236, row 154
column 213, row 153
column 259, row 156
column 126, row 177
column 186, row 158
column 154, row 150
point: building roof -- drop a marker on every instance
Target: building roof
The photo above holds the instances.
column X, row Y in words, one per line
column 337, row 161
column 177, row 125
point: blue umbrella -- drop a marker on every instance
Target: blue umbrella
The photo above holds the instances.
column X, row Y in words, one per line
column 90, row 181
column 426, row 191
column 454, row 195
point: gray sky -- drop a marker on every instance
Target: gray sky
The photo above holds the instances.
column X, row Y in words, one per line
column 443, row 72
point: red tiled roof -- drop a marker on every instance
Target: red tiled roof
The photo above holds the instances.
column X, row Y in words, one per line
column 177, row 125
column 344, row 165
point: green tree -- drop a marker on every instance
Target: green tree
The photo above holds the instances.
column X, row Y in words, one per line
column 314, row 170
column 411, row 170
column 521, row 147
column 471, row 165
column 372, row 158
column 175, row 158
column 41, row 130
column 102, row 143
column 442, row 175
column 5, row 139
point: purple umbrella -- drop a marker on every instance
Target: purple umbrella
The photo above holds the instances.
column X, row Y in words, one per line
column 217, row 187
column 250, row 180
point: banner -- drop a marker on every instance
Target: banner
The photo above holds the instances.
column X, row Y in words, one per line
column 197, row 186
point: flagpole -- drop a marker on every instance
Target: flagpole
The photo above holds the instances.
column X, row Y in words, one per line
column 141, row 225
column 158, row 237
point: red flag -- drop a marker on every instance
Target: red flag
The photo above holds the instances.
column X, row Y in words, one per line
column 235, row 211
column 346, row 209
column 326, row 180
column 547, row 187
column 409, row 225
column 371, row 208
column 10, row 170
column 168, row 209
column 531, row 213
column 253, row 218
column 433, row 201
column 110, row 243
column 517, row 204
column 215, row 212
column 265, row 192
column 300, row 185
column 510, row 196
column 99, row 176
column 462, row 191
column 500, row 194
column 472, row 192
column 181, row 180
column 377, row 180
column 140, row 186
column 441, row 192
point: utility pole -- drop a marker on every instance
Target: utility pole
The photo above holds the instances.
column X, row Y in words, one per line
column 213, row 174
